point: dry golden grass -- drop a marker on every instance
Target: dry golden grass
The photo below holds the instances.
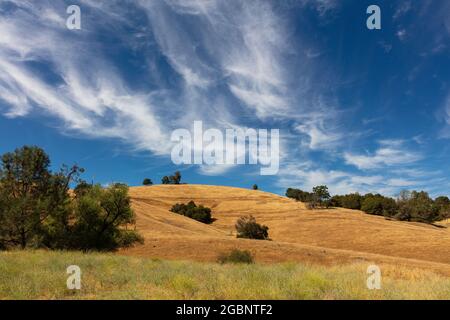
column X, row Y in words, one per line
column 325, row 236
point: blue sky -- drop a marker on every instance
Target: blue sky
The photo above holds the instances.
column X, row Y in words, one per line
column 359, row 110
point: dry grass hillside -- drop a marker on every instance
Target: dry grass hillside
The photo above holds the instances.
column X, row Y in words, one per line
column 325, row 236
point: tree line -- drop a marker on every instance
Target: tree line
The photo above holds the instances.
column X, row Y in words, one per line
column 39, row 210
column 174, row 179
column 408, row 206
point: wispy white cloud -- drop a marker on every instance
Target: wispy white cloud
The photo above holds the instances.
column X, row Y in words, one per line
column 323, row 7
column 215, row 61
column 339, row 182
column 402, row 8
column 93, row 102
column 401, row 34
column 390, row 153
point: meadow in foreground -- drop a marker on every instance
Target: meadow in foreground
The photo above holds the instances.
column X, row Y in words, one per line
column 42, row 275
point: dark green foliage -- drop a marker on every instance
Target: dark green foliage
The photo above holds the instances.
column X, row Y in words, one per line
column 379, row 205
column 349, row 201
column 255, row 187
column 36, row 209
column 443, row 203
column 82, row 188
column 35, row 203
column 248, row 228
column 299, row 195
column 236, row 256
column 165, row 180
column 321, row 196
column 417, row 206
column 318, row 198
column 101, row 216
column 410, row 205
column 147, row 182
column 191, row 210
column 175, row 179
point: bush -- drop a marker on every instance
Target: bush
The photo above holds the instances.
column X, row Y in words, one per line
column 191, row 210
column 236, row 256
column 255, row 187
column 248, row 228
column 147, row 182
column 310, row 205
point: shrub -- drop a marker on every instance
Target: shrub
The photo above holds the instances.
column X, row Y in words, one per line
column 310, row 205
column 147, row 182
column 236, row 256
column 255, row 187
column 191, row 210
column 248, row 228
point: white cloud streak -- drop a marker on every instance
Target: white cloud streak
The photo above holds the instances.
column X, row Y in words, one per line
column 390, row 153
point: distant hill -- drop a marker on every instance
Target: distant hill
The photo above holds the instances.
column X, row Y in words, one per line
column 324, row 236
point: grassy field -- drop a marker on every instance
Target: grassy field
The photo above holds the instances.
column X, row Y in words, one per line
column 42, row 275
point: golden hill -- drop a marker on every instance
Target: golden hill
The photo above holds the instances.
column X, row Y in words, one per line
column 325, row 236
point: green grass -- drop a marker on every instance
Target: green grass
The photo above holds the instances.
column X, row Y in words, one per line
column 42, row 275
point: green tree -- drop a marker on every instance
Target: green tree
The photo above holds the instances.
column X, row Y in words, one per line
column 147, row 182
column 443, row 203
column 349, row 201
column 418, row 206
column 102, row 218
column 34, row 201
column 165, row 180
column 321, row 195
column 377, row 204
column 176, row 178
column 37, row 208
column 299, row 195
